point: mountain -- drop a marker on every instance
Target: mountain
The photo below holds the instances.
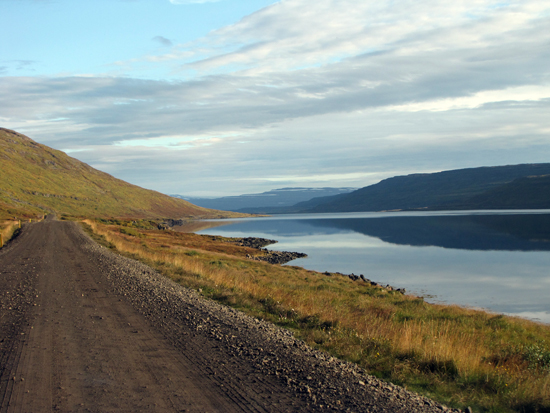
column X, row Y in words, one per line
column 36, row 179
column 532, row 192
column 274, row 201
column 484, row 188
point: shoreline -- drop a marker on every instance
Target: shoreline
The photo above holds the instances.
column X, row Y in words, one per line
column 284, row 257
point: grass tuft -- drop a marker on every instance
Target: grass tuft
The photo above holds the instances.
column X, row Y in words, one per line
column 9, row 229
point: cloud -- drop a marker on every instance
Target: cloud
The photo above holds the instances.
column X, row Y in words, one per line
column 292, row 34
column 17, row 65
column 354, row 91
column 130, row 127
column 162, row 40
column 24, row 64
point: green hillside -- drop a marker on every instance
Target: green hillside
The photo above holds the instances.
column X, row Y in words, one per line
column 532, row 192
column 35, row 179
column 443, row 190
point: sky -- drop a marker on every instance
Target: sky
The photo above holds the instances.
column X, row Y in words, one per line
column 217, row 98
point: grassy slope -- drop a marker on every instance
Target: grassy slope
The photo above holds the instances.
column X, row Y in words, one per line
column 459, row 356
column 441, row 189
column 35, row 179
column 532, row 192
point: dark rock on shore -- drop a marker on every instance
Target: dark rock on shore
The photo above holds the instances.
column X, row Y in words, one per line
column 254, row 242
column 362, row 278
column 169, row 223
column 279, row 257
column 272, row 257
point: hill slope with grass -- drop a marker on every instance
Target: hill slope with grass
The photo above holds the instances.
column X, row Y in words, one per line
column 36, row 180
column 495, row 187
column 531, row 192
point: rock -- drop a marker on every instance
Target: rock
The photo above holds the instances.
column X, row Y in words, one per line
column 254, row 242
column 280, row 257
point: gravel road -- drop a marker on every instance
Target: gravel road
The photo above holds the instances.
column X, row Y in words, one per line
column 85, row 330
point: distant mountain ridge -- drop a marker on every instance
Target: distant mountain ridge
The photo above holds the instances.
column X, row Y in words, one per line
column 270, row 202
column 36, row 179
column 525, row 186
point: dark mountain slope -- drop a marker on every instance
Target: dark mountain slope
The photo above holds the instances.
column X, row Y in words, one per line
column 442, row 190
column 532, row 192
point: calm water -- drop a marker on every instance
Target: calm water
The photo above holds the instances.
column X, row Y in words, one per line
column 494, row 260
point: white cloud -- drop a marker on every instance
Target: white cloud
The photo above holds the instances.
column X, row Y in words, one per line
column 343, row 91
column 316, row 178
column 518, row 94
column 293, row 34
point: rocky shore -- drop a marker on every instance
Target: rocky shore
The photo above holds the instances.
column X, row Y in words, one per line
column 272, row 257
column 277, row 257
column 283, row 257
column 362, row 278
column 254, row 242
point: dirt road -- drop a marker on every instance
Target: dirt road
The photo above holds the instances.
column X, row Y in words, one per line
column 84, row 330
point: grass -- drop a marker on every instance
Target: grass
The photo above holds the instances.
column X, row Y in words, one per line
column 38, row 180
column 8, row 229
column 458, row 356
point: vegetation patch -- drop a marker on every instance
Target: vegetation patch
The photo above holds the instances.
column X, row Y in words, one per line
column 37, row 179
column 458, row 356
column 9, row 230
column 131, row 232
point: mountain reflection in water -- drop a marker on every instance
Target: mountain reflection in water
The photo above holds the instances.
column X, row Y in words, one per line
column 495, row 260
column 470, row 232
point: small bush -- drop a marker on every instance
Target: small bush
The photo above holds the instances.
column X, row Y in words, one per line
column 537, row 356
column 129, row 231
column 446, row 368
column 218, row 263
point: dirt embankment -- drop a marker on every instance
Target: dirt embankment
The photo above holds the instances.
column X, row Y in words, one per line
column 82, row 329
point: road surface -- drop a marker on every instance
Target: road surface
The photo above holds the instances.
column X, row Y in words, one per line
column 85, row 330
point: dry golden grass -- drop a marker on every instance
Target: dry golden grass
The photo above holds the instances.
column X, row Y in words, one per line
column 457, row 355
column 7, row 229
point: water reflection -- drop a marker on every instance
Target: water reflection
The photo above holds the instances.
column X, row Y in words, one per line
column 494, row 261
column 471, row 232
